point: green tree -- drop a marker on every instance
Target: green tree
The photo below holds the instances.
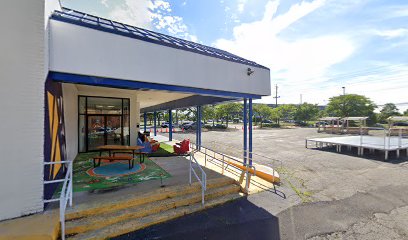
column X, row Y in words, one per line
column 208, row 113
column 276, row 114
column 388, row 110
column 406, row 112
column 351, row 105
column 306, row 112
column 228, row 109
column 262, row 111
column 286, row 111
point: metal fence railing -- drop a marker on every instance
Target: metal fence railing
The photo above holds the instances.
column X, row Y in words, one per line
column 202, row 180
column 224, row 160
column 66, row 192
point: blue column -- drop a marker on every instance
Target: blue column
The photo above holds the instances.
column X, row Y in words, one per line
column 250, row 132
column 199, row 127
column 245, row 130
column 155, row 125
column 197, row 119
column 170, row 125
column 145, row 121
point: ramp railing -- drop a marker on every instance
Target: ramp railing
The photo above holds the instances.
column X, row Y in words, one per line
column 225, row 160
column 203, row 180
column 65, row 195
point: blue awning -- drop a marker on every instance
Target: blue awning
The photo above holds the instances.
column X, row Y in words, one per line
column 136, row 85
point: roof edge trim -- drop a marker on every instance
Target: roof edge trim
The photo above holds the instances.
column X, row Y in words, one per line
column 137, row 85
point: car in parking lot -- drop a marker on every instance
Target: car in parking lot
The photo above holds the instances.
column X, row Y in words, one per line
column 317, row 124
column 401, row 124
column 191, row 126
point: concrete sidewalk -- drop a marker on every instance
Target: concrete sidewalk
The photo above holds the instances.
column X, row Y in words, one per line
column 236, row 220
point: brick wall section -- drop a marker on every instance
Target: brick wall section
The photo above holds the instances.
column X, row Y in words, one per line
column 23, row 71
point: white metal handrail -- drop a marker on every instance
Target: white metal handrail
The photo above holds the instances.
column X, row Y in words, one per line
column 66, row 192
column 203, row 180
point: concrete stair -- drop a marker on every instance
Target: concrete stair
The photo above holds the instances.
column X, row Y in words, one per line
column 131, row 213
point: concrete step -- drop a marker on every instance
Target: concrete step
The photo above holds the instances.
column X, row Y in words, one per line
column 135, row 224
column 108, row 218
column 135, row 199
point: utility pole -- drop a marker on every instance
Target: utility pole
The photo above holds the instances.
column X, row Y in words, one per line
column 276, row 99
column 276, row 95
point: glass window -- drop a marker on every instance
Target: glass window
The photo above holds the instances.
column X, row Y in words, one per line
column 82, row 105
column 98, row 105
column 103, row 121
column 126, row 106
column 81, row 134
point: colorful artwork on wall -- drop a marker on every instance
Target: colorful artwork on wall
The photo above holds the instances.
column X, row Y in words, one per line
column 54, row 128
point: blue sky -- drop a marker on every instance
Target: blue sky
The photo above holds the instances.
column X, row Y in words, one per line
column 312, row 47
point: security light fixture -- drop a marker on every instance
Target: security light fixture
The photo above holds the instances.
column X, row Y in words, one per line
column 250, row 71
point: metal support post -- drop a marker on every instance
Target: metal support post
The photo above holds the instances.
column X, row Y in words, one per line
column 170, row 125
column 155, row 123
column 245, row 130
column 144, row 121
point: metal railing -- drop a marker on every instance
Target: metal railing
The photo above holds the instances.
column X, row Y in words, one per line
column 208, row 152
column 225, row 159
column 202, row 180
column 66, row 192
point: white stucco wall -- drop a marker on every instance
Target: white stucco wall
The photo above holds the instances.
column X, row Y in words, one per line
column 22, row 76
column 81, row 50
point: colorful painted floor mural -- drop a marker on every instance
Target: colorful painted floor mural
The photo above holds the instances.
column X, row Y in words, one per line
column 112, row 174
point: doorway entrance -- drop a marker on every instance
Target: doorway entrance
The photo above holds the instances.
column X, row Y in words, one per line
column 104, row 130
column 103, row 121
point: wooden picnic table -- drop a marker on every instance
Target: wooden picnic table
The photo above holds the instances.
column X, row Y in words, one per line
column 122, row 148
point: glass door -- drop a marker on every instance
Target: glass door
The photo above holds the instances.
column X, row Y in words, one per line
column 96, row 132
column 114, row 130
column 102, row 121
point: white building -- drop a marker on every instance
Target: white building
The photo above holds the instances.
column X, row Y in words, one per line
column 65, row 74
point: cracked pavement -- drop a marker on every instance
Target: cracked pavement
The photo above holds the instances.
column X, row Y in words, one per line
column 347, row 197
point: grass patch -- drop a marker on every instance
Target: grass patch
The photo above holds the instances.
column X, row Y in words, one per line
column 291, row 179
column 165, row 150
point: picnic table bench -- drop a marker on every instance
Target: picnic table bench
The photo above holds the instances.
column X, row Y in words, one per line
column 130, row 150
column 130, row 159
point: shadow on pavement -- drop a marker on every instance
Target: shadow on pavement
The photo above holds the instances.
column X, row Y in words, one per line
column 236, row 220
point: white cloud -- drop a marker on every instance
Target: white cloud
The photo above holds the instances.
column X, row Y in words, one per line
column 241, row 5
column 133, row 13
column 400, row 11
column 105, row 3
column 393, row 33
column 152, row 14
column 291, row 62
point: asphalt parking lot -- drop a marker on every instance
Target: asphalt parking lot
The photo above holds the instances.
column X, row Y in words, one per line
column 327, row 195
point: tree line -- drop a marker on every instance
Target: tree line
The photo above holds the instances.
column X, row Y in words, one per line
column 350, row 105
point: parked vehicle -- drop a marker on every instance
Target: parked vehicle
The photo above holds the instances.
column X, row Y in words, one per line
column 267, row 121
column 191, row 126
column 301, row 123
column 165, row 125
column 317, row 124
column 401, row 124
